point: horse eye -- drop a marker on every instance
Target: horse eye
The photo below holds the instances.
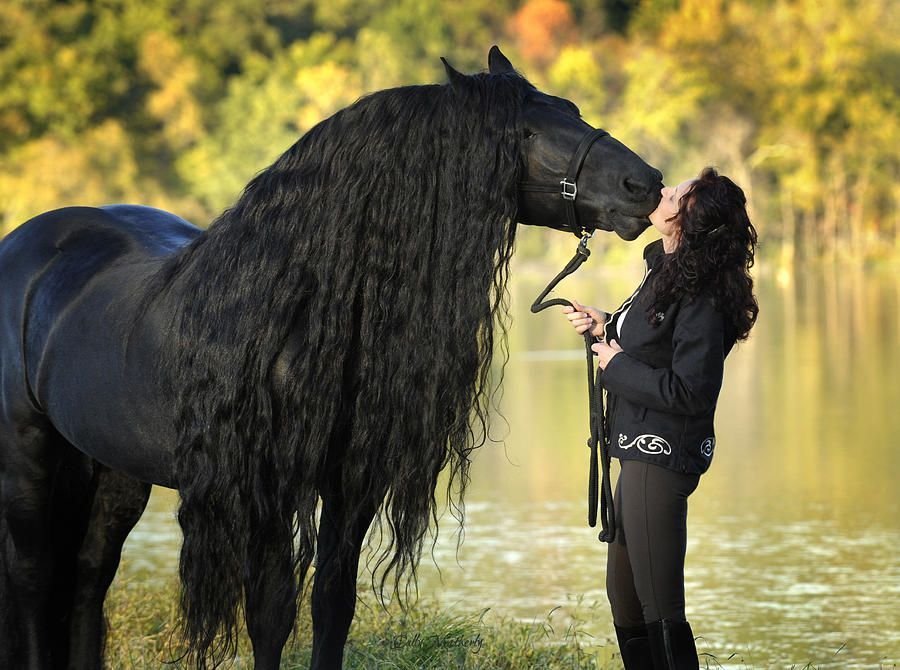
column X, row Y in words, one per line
column 528, row 134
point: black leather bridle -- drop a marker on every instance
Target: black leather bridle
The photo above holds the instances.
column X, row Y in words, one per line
column 598, row 442
column 568, row 185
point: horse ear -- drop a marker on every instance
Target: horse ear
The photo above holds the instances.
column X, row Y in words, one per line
column 452, row 75
column 498, row 63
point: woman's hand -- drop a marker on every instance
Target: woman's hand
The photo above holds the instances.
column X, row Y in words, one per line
column 585, row 318
column 605, row 352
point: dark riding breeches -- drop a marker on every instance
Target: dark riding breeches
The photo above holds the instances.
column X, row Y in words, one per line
column 645, row 564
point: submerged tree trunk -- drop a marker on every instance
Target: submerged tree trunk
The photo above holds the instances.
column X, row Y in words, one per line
column 788, row 228
column 857, row 215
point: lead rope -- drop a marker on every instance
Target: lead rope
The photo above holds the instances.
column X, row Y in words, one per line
column 599, row 438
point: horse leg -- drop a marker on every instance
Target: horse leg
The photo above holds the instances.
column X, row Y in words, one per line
column 72, row 489
column 7, row 639
column 31, row 454
column 9, row 627
column 338, row 546
column 117, row 505
column 70, row 499
column 270, row 590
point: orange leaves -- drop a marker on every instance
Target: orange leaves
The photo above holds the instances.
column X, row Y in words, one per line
column 541, row 27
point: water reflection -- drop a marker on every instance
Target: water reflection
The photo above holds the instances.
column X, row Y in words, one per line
column 794, row 532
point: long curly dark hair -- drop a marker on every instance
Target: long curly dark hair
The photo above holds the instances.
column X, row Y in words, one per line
column 716, row 249
column 379, row 244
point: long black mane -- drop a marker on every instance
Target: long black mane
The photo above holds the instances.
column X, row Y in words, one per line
column 379, row 244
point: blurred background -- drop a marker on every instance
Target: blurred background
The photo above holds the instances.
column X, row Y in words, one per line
column 177, row 103
column 795, row 530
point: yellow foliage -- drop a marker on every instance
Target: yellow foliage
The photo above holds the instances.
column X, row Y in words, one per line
column 659, row 100
column 173, row 102
column 326, row 88
column 576, row 74
column 697, row 22
column 49, row 173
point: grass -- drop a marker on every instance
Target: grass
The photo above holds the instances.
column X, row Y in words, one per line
column 142, row 635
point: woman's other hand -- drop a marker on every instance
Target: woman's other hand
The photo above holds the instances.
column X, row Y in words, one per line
column 584, row 318
column 605, row 352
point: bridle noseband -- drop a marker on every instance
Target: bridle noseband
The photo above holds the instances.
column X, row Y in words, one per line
column 568, row 185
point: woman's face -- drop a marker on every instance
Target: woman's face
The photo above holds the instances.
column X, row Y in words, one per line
column 668, row 208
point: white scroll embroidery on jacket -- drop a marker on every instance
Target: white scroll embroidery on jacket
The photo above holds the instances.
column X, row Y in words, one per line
column 649, row 444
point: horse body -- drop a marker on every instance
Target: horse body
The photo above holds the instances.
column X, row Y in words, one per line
column 69, row 278
column 322, row 351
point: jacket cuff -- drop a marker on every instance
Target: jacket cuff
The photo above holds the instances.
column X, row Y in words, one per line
column 612, row 363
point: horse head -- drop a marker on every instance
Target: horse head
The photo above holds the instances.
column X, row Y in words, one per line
column 574, row 177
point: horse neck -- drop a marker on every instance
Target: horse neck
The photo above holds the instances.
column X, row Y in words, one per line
column 337, row 204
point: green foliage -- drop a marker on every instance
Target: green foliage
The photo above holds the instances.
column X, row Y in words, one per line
column 180, row 103
column 267, row 107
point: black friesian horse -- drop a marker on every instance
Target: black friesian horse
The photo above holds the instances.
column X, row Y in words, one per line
column 326, row 341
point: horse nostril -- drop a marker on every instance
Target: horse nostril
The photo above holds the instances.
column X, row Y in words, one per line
column 634, row 187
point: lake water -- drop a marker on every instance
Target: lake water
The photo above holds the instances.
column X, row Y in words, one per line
column 794, row 533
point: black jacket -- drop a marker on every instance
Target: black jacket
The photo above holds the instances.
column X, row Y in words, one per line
column 662, row 389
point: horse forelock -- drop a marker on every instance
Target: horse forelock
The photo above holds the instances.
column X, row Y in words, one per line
column 379, row 243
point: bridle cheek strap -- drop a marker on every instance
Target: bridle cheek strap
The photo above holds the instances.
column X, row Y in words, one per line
column 568, row 185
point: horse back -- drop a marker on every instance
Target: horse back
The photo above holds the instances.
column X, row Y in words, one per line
column 71, row 279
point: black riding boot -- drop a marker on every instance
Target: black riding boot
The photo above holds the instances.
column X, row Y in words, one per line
column 672, row 645
column 635, row 647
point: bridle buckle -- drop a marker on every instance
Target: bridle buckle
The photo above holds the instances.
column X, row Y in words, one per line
column 569, row 189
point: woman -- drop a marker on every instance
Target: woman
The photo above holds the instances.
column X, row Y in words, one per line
column 661, row 354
